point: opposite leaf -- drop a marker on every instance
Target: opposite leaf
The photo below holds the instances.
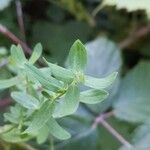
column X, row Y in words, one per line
column 102, row 83
column 93, row 96
column 56, row 130
column 25, row 100
column 49, row 83
column 40, row 117
column 61, row 73
column 70, row 103
column 8, row 82
column 36, row 53
column 77, row 58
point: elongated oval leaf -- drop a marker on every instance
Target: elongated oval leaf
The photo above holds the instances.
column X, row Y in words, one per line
column 101, row 83
column 70, row 103
column 40, row 117
column 77, row 58
column 56, row 130
column 49, row 83
column 8, row 82
column 18, row 54
column 93, row 96
column 36, row 53
column 61, row 73
column 25, row 100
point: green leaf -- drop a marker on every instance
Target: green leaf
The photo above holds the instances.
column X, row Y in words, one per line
column 133, row 100
column 56, row 130
column 36, row 53
column 18, row 55
column 49, row 83
column 14, row 136
column 102, row 83
column 43, row 134
column 40, row 117
column 61, row 73
column 93, row 96
column 25, row 100
column 8, row 82
column 70, row 103
column 77, row 58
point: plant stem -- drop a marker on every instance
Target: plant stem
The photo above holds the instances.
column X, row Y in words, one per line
column 20, row 19
column 15, row 39
column 4, row 103
column 101, row 120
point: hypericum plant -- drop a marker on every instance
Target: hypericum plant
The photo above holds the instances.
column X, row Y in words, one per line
column 44, row 94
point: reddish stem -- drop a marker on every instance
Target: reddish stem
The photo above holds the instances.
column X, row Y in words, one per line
column 15, row 39
column 101, row 120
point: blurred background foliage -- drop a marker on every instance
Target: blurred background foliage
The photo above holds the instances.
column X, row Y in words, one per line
column 117, row 37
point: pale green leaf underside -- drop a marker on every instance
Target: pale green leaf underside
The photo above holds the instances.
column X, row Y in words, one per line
column 14, row 136
column 133, row 103
column 61, row 73
column 70, row 103
column 77, row 58
column 40, row 117
column 48, row 82
column 8, row 82
column 36, row 53
column 102, row 83
column 93, row 96
column 56, row 130
column 18, row 54
column 25, row 100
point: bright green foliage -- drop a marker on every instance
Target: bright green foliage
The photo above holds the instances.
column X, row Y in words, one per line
column 48, row 93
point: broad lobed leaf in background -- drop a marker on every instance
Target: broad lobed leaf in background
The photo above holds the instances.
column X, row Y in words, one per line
column 141, row 138
column 133, row 100
column 4, row 4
